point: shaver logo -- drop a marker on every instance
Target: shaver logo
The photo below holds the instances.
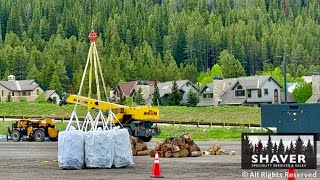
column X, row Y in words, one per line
column 278, row 151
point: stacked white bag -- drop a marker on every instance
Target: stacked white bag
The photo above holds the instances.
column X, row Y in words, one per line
column 71, row 146
column 99, row 146
column 122, row 147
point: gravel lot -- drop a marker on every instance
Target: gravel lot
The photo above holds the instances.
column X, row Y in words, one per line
column 31, row 160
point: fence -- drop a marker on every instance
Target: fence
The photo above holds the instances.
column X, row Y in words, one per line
column 210, row 124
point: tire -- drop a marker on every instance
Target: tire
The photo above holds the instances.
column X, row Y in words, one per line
column 39, row 135
column 145, row 139
column 15, row 136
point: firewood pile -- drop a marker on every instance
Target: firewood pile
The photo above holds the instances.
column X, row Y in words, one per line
column 216, row 150
column 182, row 146
column 139, row 148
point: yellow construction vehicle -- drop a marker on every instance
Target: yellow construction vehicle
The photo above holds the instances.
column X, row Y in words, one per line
column 136, row 119
column 33, row 130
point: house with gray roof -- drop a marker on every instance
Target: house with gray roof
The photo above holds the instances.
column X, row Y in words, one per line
column 250, row 90
column 28, row 90
column 184, row 86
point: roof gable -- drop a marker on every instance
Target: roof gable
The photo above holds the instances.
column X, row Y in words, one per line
column 165, row 87
column 20, row 85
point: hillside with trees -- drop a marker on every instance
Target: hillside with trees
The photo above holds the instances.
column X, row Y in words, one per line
column 157, row 39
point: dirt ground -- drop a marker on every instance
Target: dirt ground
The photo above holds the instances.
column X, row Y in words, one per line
column 31, row 160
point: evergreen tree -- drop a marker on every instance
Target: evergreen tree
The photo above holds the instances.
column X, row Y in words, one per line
column 138, row 97
column 291, row 148
column 309, row 148
column 156, row 95
column 175, row 96
column 55, row 83
column 281, row 148
column 299, row 146
column 192, row 99
column 275, row 148
column 230, row 66
column 303, row 92
column 269, row 145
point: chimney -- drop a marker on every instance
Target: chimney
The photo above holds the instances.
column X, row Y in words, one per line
column 11, row 78
column 217, row 88
column 316, row 83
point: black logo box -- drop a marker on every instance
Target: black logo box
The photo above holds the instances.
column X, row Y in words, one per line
column 309, row 154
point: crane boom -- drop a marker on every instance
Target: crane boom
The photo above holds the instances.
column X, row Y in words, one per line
column 138, row 120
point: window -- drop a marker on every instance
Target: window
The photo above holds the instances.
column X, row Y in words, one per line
column 2, row 93
column 12, row 93
column 259, row 92
column 239, row 91
column 276, row 96
column 249, row 93
column 26, row 93
column 38, row 92
column 210, row 95
column 266, row 92
column 205, row 96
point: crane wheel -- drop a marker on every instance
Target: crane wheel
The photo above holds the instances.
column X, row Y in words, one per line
column 15, row 135
column 39, row 135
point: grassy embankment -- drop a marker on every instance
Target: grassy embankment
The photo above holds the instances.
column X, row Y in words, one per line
column 225, row 114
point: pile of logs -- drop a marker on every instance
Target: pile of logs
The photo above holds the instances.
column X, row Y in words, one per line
column 216, row 150
column 139, row 148
column 182, row 146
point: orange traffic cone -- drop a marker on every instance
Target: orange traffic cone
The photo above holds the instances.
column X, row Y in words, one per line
column 291, row 174
column 156, row 171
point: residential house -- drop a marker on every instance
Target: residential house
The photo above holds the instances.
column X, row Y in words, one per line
column 28, row 90
column 315, row 97
column 251, row 90
column 184, row 86
column 128, row 89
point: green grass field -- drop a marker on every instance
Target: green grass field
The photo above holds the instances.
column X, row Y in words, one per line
column 226, row 114
column 198, row 133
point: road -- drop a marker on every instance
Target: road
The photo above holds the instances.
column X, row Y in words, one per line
column 32, row 160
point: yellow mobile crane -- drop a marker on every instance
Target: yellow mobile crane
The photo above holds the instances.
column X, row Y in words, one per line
column 136, row 119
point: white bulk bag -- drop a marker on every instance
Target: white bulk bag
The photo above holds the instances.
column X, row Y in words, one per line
column 122, row 148
column 71, row 146
column 99, row 146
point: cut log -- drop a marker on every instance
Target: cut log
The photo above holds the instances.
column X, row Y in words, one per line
column 176, row 154
column 190, row 142
column 161, row 153
column 177, row 141
column 152, row 153
column 142, row 153
column 183, row 153
column 216, row 147
column 185, row 146
column 193, row 148
column 134, row 151
column 176, row 148
column 141, row 147
column 168, row 154
column 165, row 147
column 196, row 153
column 133, row 140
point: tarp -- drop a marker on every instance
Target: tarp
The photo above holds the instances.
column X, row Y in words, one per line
column 71, row 146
